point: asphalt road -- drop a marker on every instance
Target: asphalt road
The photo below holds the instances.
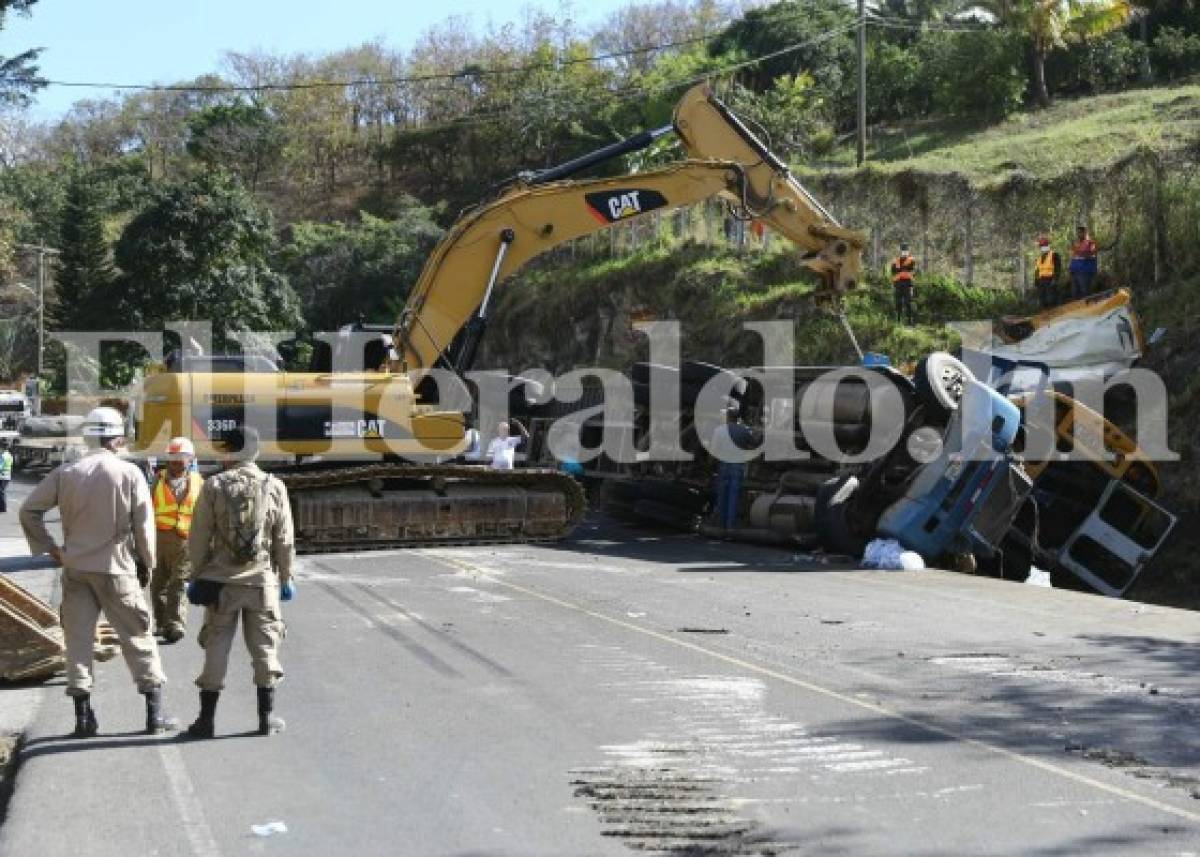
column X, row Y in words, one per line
column 626, row 692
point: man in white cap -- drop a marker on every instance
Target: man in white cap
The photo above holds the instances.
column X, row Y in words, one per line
column 108, row 527
column 176, row 488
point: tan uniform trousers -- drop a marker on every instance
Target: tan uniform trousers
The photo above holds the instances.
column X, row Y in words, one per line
column 262, row 628
column 84, row 595
column 169, row 581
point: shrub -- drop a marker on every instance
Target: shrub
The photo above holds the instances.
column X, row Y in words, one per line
column 974, row 74
column 1176, row 52
column 1097, row 65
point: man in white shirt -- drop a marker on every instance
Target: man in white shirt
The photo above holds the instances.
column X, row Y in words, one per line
column 502, row 450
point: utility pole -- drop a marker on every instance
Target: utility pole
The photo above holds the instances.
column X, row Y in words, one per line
column 862, row 81
column 42, row 251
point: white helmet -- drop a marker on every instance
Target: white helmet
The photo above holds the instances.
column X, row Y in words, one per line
column 104, row 423
column 180, row 449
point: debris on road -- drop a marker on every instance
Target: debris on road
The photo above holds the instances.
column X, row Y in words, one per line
column 1037, row 577
column 268, row 829
column 890, row 554
column 31, row 639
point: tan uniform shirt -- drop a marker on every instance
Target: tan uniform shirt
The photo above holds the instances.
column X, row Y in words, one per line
column 106, row 513
column 208, row 544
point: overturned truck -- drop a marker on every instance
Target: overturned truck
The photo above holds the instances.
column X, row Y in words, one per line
column 936, row 460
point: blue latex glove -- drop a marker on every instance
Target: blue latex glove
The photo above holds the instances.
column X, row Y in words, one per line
column 191, row 592
column 287, row 591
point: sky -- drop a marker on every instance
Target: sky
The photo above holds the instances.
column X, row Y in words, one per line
column 162, row 41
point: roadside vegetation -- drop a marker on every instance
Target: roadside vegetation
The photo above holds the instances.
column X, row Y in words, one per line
column 712, row 292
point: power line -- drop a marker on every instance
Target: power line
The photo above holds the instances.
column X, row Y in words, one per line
column 463, row 74
column 630, row 93
column 620, row 95
column 923, row 28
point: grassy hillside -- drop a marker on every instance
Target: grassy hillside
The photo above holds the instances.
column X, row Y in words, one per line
column 1087, row 133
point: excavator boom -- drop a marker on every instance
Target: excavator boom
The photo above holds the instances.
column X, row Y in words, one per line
column 533, row 215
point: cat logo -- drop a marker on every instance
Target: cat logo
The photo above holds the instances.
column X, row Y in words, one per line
column 354, row 429
column 614, row 205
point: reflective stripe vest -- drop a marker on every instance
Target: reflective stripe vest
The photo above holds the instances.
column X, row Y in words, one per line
column 6, row 463
column 902, row 270
column 1045, row 266
column 169, row 515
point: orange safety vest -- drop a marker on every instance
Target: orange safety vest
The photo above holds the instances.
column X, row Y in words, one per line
column 1045, row 266
column 904, row 265
column 169, row 515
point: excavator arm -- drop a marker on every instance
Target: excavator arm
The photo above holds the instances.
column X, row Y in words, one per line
column 492, row 241
column 710, row 131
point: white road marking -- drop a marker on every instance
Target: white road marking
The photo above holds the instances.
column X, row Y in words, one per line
column 183, row 794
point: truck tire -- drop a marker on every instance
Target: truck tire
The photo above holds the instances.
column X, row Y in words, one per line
column 834, row 519
column 940, row 382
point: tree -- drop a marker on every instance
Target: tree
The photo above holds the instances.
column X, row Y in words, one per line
column 243, row 138
column 19, row 77
column 820, row 33
column 343, row 272
column 85, row 275
column 1051, row 24
column 200, row 250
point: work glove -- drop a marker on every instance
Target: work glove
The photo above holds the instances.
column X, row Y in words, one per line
column 287, row 591
column 143, row 574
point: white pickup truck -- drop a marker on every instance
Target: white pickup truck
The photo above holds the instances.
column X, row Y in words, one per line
column 14, row 409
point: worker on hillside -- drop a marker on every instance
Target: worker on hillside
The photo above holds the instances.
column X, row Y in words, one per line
column 903, row 269
column 731, row 474
column 6, row 468
column 502, row 450
column 1046, row 274
column 1084, row 263
column 176, row 489
column 108, row 530
column 241, row 549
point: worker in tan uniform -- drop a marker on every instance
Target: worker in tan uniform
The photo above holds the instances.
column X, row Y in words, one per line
column 242, row 549
column 108, row 529
column 176, row 488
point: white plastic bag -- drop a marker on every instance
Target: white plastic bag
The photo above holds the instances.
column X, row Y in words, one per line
column 268, row 829
column 890, row 554
column 1037, row 577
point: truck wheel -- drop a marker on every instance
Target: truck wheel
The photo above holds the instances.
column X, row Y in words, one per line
column 940, row 382
column 834, row 519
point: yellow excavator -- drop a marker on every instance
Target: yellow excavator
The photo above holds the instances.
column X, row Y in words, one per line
column 363, row 453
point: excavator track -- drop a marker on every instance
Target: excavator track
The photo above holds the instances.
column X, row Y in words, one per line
column 386, row 506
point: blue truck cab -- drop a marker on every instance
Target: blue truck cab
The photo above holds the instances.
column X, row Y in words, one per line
column 965, row 499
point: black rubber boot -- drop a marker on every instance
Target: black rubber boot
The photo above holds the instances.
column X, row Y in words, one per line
column 85, row 719
column 204, row 727
column 155, row 721
column 266, row 704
